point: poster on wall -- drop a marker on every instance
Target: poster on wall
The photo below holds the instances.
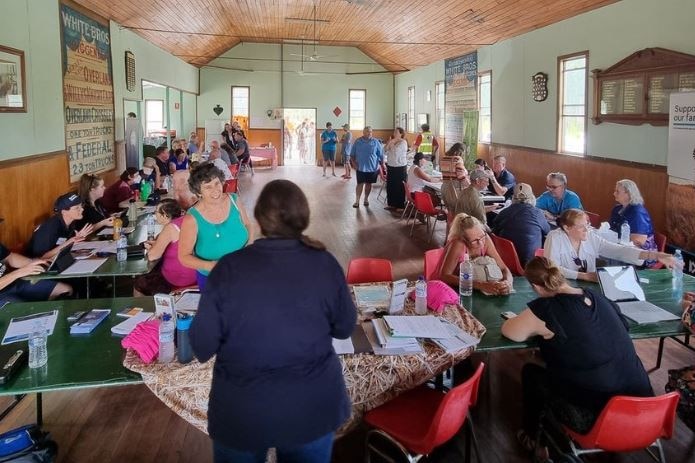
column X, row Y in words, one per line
column 461, row 102
column 87, row 93
column 681, row 136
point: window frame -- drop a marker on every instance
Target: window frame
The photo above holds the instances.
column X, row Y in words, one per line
column 480, row 82
column 560, row 97
column 248, row 109
column 364, row 92
column 441, row 121
column 147, row 129
column 411, row 110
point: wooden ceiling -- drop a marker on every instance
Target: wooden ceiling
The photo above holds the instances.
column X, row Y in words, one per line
column 398, row 34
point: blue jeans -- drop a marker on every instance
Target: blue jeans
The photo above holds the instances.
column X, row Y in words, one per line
column 316, row 451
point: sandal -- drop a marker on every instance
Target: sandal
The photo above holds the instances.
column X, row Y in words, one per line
column 356, row 205
column 366, row 203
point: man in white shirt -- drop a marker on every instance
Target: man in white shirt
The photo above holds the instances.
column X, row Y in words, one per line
column 216, row 159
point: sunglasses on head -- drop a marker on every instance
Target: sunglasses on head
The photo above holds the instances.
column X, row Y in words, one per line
column 581, row 264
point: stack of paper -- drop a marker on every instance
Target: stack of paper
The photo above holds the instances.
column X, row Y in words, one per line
column 124, row 328
column 428, row 326
column 343, row 346
column 386, row 338
column 89, row 321
column 460, row 340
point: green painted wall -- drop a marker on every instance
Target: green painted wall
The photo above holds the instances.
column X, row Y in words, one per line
column 423, row 79
column 321, row 84
column 609, row 34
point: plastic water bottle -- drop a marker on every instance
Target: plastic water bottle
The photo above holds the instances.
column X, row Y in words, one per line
column 166, row 339
column 132, row 212
column 677, row 271
column 421, row 296
column 184, row 352
column 122, row 249
column 465, row 277
column 38, row 347
column 151, row 227
column 625, row 233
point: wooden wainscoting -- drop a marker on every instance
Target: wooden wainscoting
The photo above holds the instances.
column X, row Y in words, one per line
column 593, row 179
column 258, row 137
column 28, row 189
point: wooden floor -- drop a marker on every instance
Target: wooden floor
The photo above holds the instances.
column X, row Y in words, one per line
column 129, row 424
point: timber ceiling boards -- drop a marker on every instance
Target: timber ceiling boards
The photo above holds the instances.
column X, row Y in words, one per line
column 398, row 34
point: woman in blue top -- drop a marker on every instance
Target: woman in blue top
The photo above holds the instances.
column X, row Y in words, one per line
column 277, row 382
column 179, row 161
column 630, row 209
column 216, row 226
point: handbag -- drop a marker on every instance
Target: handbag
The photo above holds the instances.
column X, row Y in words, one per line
column 485, row 268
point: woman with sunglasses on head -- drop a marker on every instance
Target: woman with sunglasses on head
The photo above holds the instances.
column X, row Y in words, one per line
column 574, row 247
column 169, row 273
column 469, row 235
column 589, row 356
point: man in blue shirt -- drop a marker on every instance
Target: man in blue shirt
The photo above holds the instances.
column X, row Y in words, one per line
column 367, row 158
column 557, row 198
column 501, row 180
column 329, row 143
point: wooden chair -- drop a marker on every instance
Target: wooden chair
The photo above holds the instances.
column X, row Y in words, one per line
column 369, row 270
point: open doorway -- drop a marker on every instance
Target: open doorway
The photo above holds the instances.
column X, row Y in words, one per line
column 299, row 136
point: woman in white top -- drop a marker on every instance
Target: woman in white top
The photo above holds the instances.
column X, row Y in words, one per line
column 397, row 171
column 417, row 176
column 574, row 248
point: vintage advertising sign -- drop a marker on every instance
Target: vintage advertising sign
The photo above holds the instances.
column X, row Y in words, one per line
column 461, row 102
column 87, row 93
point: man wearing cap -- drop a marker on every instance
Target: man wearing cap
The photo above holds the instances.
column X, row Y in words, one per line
column 59, row 230
column 345, row 147
column 329, row 144
column 470, row 200
column 367, row 158
column 522, row 223
column 557, row 198
column 14, row 267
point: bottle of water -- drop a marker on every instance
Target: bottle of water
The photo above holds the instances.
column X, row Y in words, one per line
column 184, row 352
column 166, row 339
column 38, row 347
column 421, row 296
column 151, row 227
column 132, row 213
column 122, row 249
column 677, row 271
column 625, row 233
column 465, row 277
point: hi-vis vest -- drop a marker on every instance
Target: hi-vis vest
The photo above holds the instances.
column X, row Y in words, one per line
column 426, row 143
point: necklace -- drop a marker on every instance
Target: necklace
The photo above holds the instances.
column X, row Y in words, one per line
column 217, row 230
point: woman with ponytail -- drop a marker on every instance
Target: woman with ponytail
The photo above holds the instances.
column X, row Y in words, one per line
column 269, row 312
column 583, row 339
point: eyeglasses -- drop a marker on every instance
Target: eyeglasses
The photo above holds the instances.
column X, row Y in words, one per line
column 553, row 187
column 581, row 226
column 581, row 263
column 478, row 241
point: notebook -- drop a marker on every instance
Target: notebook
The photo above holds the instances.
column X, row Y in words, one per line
column 621, row 285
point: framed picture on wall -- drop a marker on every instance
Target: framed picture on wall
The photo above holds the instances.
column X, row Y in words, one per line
column 13, row 92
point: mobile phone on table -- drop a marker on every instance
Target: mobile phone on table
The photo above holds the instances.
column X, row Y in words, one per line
column 507, row 315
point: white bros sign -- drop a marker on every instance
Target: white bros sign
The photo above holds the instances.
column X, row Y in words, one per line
column 681, row 136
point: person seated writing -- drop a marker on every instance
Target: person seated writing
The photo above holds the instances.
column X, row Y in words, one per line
column 61, row 229
column 469, row 235
column 574, row 248
column 584, row 341
column 169, row 273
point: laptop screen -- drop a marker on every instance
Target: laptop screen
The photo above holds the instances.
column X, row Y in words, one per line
column 620, row 283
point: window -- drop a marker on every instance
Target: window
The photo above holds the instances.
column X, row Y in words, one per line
column 439, row 106
column 240, row 105
column 154, row 116
column 357, row 109
column 485, row 107
column 572, row 70
column 411, row 110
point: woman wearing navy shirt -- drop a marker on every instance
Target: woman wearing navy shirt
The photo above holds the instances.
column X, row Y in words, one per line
column 277, row 381
column 630, row 209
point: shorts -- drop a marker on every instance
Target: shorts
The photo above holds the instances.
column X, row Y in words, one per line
column 153, row 282
column 25, row 291
column 328, row 155
column 367, row 177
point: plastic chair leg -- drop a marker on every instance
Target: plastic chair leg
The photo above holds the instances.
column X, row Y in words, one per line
column 660, row 352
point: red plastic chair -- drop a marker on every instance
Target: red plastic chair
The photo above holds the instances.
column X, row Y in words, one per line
column 507, row 252
column 369, row 270
column 660, row 240
column 539, row 252
column 432, row 259
column 594, row 219
column 648, row 419
column 382, row 182
column 234, row 169
column 231, row 186
column 422, row 419
column 423, row 205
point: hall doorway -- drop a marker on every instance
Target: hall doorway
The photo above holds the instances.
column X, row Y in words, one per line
column 299, row 136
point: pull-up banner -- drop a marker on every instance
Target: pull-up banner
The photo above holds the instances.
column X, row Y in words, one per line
column 461, row 102
column 87, row 93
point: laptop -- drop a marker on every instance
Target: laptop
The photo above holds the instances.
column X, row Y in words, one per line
column 62, row 261
column 621, row 285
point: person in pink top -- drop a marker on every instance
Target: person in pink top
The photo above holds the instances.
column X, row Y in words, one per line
column 169, row 273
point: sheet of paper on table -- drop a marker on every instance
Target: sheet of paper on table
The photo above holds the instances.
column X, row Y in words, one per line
column 125, row 327
column 410, row 349
column 376, row 296
column 188, row 302
column 84, row 266
column 20, row 328
column 91, row 245
column 425, row 326
column 343, row 346
column 460, row 340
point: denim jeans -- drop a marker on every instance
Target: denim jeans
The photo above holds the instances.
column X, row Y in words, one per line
column 316, row 451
